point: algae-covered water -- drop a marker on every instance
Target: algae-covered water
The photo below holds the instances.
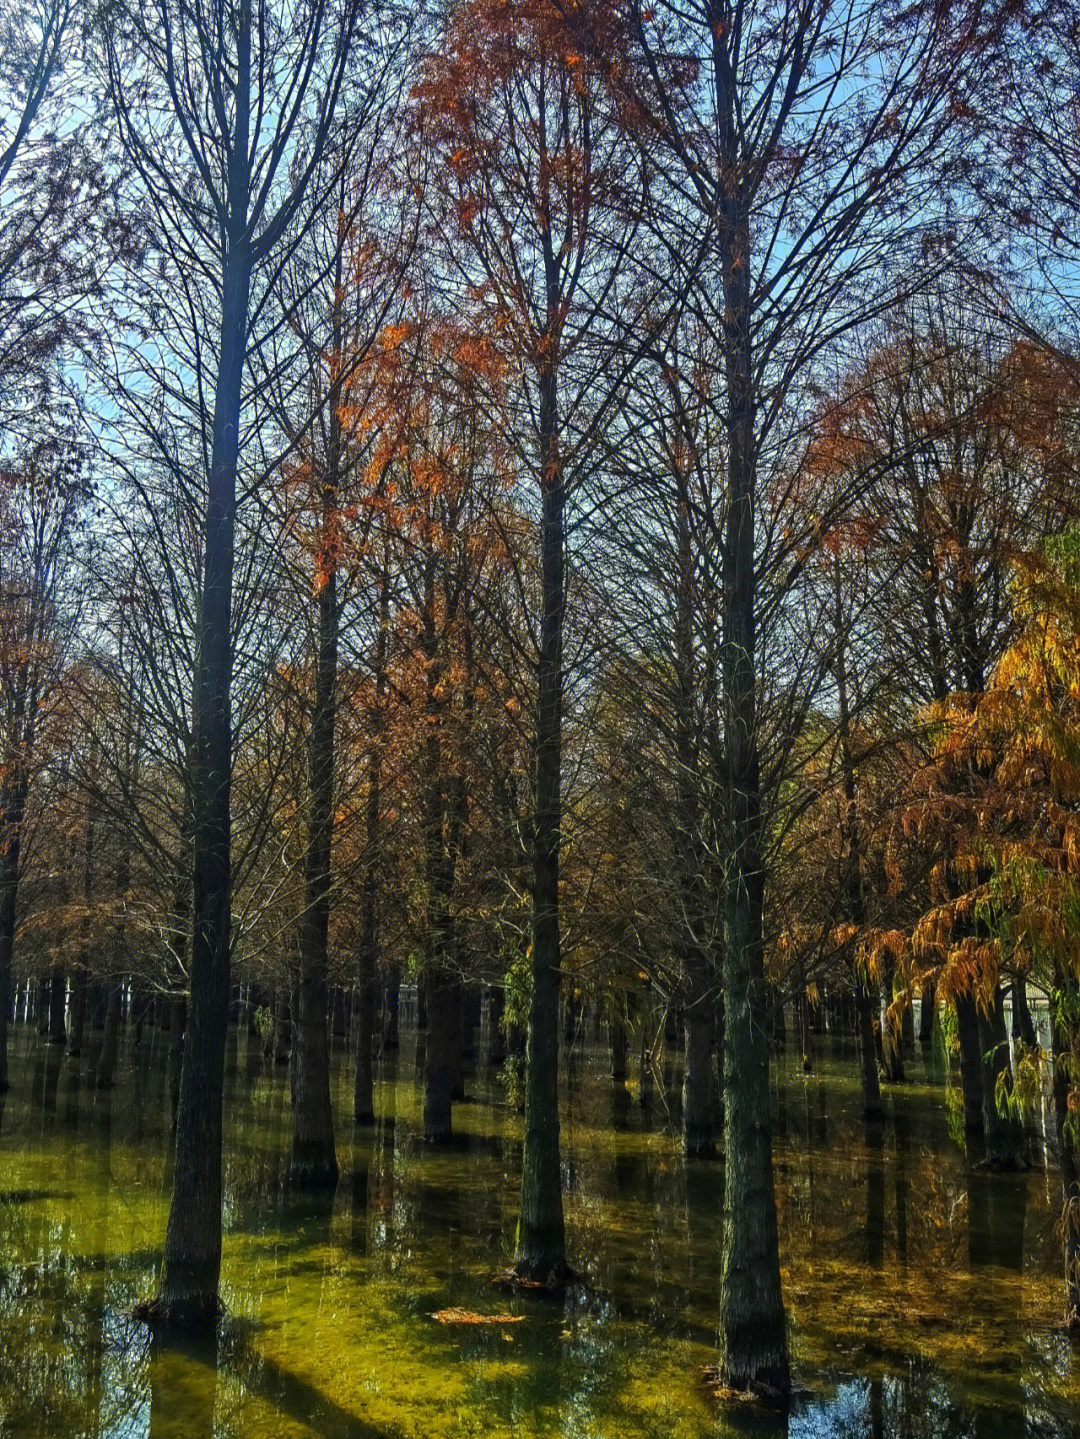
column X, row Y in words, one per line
column 922, row 1294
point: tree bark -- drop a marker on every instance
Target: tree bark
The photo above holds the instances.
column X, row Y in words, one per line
column 753, row 1331
column 927, row 1009
column 1023, row 1024
column 12, row 807
column 867, row 1047
column 541, row 1240
column 105, row 1073
column 58, row 1006
column 1004, row 1136
column 971, row 1068
column 313, row 1164
column 187, row 1294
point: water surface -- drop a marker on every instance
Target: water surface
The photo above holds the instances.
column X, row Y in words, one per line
column 922, row 1293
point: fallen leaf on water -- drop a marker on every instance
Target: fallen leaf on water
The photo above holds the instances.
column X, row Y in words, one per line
column 466, row 1316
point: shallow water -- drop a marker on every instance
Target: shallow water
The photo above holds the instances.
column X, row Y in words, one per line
column 922, row 1295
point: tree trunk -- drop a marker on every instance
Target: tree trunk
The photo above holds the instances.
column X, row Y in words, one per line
column 364, row 1081
column 618, row 1048
column 391, row 1018
column 700, row 1098
column 191, row 1265
column 541, row 1241
column 105, row 1073
column 971, row 1068
column 927, row 1009
column 58, row 1006
column 368, row 947
column 78, row 1012
column 892, row 1039
column 313, row 1164
column 12, row 806
column 1004, row 1136
column 867, row 1047
column 438, row 1057
column 1023, row 1024
column 753, row 1332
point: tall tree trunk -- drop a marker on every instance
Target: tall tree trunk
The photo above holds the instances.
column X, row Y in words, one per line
column 191, row 1264
column 852, row 875
column 368, row 945
column 700, row 1099
column 753, row 1331
column 437, row 988
column 541, row 1239
column 313, row 1164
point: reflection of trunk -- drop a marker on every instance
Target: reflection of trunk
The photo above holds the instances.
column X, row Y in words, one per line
column 313, row 1164
column 541, row 1241
column 191, row 1264
column 753, row 1338
column 1066, row 1053
column 178, row 1405
column 1003, row 1133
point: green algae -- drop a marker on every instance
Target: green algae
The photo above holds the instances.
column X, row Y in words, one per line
column 923, row 1294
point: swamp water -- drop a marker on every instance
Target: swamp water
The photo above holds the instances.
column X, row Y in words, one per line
column 922, row 1295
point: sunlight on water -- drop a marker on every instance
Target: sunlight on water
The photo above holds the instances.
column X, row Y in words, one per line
column 922, row 1295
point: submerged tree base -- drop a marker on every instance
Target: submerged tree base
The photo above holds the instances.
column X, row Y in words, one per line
column 183, row 1315
column 754, row 1391
column 552, row 1278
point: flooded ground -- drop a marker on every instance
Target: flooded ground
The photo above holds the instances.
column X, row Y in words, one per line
column 922, row 1294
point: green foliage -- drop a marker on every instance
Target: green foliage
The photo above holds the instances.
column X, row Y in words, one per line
column 264, row 1022
column 1018, row 1095
column 512, row 1077
column 518, row 987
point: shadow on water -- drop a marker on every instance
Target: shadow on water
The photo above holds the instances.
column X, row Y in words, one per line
column 922, row 1291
